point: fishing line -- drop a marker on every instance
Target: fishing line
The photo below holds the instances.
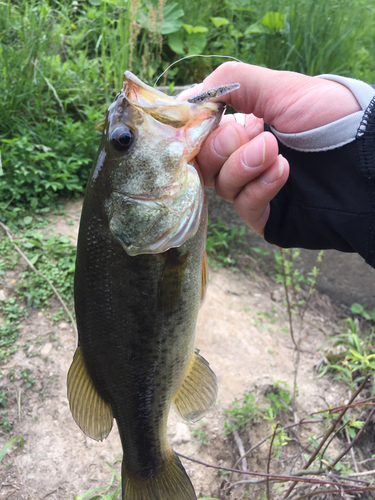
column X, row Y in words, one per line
column 194, row 55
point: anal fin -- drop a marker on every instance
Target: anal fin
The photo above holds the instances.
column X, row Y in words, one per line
column 91, row 413
column 198, row 391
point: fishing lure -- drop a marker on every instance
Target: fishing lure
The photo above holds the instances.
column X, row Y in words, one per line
column 206, row 95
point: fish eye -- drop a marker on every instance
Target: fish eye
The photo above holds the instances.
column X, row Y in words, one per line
column 122, row 138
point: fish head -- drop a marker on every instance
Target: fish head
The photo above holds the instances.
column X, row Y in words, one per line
column 153, row 194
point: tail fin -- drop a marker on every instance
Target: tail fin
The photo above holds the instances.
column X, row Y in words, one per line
column 169, row 483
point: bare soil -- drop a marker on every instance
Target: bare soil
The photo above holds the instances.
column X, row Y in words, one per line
column 241, row 332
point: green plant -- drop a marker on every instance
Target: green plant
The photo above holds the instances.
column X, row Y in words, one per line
column 45, row 253
column 350, row 355
column 297, row 299
column 13, row 314
column 38, row 167
column 26, row 375
column 239, row 414
column 3, row 398
column 223, row 243
column 201, row 434
column 353, row 425
column 362, row 311
column 260, row 253
column 278, row 400
column 115, row 478
column 5, row 424
column 62, row 64
column 280, row 439
column 10, row 443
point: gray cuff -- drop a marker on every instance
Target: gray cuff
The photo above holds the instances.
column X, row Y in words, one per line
column 337, row 133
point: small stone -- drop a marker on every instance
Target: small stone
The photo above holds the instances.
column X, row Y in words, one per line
column 2, row 295
column 182, row 434
column 30, row 349
column 40, row 314
column 278, row 295
column 46, row 349
column 63, row 326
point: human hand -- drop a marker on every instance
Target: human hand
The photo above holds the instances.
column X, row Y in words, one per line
column 242, row 162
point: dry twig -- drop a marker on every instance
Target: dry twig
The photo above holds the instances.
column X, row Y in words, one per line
column 240, row 448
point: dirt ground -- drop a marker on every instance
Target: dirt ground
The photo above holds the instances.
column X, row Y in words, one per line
column 240, row 332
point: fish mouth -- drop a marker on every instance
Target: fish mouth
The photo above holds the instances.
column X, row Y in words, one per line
column 165, row 109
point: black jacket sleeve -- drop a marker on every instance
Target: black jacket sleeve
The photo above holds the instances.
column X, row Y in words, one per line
column 329, row 198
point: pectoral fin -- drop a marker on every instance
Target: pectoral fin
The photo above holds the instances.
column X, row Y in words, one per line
column 92, row 414
column 197, row 393
column 204, row 277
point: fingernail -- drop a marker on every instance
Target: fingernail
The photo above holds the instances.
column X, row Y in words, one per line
column 227, row 141
column 254, row 155
column 272, row 174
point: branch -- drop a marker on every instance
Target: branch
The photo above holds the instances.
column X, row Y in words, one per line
column 326, row 492
column 329, row 432
column 269, row 462
column 289, row 426
column 278, row 477
column 356, row 438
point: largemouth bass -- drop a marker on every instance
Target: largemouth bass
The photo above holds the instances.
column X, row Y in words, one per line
column 141, row 273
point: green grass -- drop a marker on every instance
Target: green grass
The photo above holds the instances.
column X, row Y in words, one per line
column 8, row 445
column 54, row 257
column 350, row 355
column 224, row 243
column 104, row 492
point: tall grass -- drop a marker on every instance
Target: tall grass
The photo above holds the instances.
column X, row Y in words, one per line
column 59, row 57
column 62, row 61
column 319, row 37
column 61, row 65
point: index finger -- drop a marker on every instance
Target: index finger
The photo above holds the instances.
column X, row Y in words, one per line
column 223, row 142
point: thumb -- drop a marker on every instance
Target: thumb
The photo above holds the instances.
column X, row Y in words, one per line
column 291, row 102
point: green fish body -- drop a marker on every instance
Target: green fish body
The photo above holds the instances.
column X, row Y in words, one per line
column 141, row 273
